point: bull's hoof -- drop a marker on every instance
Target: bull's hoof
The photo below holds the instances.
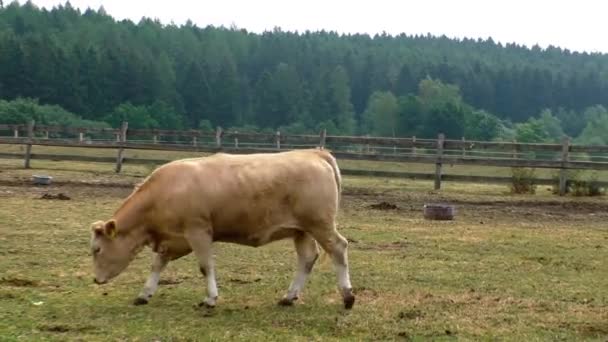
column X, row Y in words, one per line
column 349, row 301
column 140, row 301
column 287, row 301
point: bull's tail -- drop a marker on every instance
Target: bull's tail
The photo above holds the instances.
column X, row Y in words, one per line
column 334, row 165
column 331, row 160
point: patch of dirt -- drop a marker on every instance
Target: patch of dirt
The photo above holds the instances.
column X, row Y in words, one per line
column 243, row 281
column 105, row 184
column 353, row 191
column 169, row 282
column 404, row 335
column 410, row 314
column 55, row 328
column 393, row 246
column 7, row 296
column 384, row 206
column 17, row 282
column 533, row 209
column 75, row 191
column 596, row 329
column 557, row 206
column 6, row 193
column 62, row 328
column 365, row 292
column 600, row 329
column 60, row 196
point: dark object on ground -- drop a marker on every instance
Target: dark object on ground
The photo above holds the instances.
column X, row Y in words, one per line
column 17, row 282
column 59, row 196
column 42, row 180
column 384, row 206
column 439, row 212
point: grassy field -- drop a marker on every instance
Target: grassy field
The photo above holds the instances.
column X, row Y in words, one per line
column 517, row 268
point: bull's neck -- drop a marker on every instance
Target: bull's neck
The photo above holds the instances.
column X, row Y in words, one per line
column 131, row 214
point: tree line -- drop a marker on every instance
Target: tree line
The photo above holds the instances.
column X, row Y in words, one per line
column 89, row 66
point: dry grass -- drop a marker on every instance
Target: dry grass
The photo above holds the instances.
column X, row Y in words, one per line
column 519, row 268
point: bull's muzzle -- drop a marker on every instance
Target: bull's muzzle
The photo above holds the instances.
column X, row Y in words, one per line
column 99, row 282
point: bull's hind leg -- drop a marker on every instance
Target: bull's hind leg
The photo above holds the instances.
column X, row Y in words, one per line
column 307, row 252
column 336, row 246
column 159, row 262
column 201, row 240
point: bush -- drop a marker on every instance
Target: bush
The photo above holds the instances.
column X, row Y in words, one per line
column 522, row 181
column 578, row 185
column 595, row 189
column 205, row 125
column 586, row 187
column 571, row 176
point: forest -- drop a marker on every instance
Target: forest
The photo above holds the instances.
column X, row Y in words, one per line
column 71, row 67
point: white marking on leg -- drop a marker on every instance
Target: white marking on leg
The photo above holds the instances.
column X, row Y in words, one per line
column 297, row 284
column 340, row 257
column 151, row 285
column 307, row 252
column 341, row 264
column 343, row 276
column 212, row 292
column 336, row 245
column 200, row 241
column 158, row 264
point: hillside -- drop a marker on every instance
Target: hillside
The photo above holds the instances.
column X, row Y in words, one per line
column 93, row 65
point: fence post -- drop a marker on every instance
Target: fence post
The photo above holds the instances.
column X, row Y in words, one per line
column 194, row 140
column 28, row 148
column 438, row 163
column 80, row 136
column 563, row 176
column 464, row 149
column 414, row 145
column 278, row 140
column 46, row 134
column 218, row 137
column 122, row 139
column 515, row 150
column 16, row 131
column 236, row 139
column 155, row 138
column 323, row 136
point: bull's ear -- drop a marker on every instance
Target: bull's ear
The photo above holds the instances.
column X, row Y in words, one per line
column 98, row 227
column 110, row 229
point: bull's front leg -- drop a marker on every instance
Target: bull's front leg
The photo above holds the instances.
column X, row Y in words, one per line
column 159, row 262
column 200, row 241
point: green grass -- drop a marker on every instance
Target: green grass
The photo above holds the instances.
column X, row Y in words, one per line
column 519, row 268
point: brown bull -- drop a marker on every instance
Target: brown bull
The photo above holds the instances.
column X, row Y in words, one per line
column 252, row 200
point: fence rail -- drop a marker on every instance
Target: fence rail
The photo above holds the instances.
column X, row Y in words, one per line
column 315, row 139
column 438, row 151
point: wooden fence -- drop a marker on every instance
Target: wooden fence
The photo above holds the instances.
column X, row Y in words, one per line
column 440, row 151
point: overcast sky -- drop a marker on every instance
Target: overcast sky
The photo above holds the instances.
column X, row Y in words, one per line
column 580, row 25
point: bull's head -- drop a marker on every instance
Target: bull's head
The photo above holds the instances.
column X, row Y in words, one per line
column 112, row 252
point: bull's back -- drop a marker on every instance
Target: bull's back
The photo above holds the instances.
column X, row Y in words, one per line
column 254, row 195
column 271, row 189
